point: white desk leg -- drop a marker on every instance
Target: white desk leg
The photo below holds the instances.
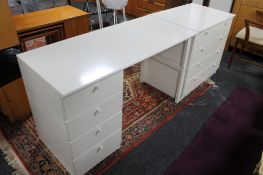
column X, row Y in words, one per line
column 99, row 13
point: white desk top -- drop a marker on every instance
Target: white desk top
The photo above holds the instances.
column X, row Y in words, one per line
column 77, row 62
column 194, row 16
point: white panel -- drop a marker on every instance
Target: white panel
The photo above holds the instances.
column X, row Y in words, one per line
column 97, row 134
column 47, row 112
column 98, row 153
column 78, row 62
column 172, row 57
column 193, row 16
column 160, row 76
column 93, row 117
column 224, row 5
column 83, row 100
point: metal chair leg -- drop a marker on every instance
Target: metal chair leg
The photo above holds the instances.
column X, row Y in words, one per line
column 114, row 17
column 124, row 14
column 99, row 13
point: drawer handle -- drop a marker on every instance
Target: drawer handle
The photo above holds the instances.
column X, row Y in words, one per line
column 199, row 65
column 96, row 88
column 221, row 38
column 97, row 112
column 98, row 131
column 225, row 24
column 218, row 52
column 214, row 65
column 202, row 50
column 99, row 148
column 206, row 33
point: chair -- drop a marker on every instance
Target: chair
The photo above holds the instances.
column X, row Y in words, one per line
column 250, row 37
column 116, row 5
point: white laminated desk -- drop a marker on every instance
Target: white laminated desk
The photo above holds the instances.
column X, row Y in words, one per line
column 75, row 86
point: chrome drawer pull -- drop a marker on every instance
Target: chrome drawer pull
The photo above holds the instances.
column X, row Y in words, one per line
column 214, row 65
column 206, row 33
column 98, row 131
column 99, row 148
column 218, row 52
column 199, row 65
column 202, row 50
column 221, row 38
column 96, row 88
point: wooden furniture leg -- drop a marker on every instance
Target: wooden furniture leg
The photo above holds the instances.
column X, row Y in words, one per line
column 233, row 53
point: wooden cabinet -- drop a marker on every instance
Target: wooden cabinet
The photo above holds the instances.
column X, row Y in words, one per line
column 144, row 7
column 244, row 9
column 13, row 100
column 8, row 36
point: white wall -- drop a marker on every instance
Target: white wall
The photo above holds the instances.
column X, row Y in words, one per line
column 224, row 5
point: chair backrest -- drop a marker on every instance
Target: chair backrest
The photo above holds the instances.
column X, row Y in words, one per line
column 259, row 16
column 115, row 4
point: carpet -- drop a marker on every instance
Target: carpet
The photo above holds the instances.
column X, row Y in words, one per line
column 9, row 162
column 230, row 142
column 145, row 110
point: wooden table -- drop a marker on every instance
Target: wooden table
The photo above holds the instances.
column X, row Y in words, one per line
column 63, row 22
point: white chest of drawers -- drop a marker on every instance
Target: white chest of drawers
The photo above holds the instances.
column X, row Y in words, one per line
column 191, row 62
column 82, row 128
column 75, row 86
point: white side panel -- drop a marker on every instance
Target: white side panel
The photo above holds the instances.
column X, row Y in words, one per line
column 47, row 112
column 224, row 5
column 160, row 76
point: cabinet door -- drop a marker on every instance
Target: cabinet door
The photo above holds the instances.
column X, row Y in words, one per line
column 8, row 36
column 13, row 100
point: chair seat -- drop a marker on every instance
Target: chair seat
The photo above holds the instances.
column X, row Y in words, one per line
column 256, row 35
column 115, row 4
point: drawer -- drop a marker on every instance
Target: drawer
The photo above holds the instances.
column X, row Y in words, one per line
column 97, row 153
column 81, row 101
column 172, row 57
column 152, row 5
column 204, row 51
column 201, row 77
column 219, row 31
column 202, row 64
column 98, row 133
column 160, row 76
column 94, row 116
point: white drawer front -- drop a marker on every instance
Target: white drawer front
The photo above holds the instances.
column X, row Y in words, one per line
column 83, row 100
column 93, row 137
column 220, row 30
column 97, row 153
column 172, row 57
column 160, row 76
column 94, row 116
column 204, row 51
column 201, row 77
column 202, row 64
